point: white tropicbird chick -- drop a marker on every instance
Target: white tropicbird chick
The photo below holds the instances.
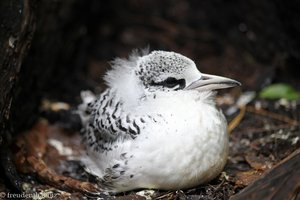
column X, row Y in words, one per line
column 156, row 125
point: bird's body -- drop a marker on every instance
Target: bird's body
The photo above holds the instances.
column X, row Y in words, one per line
column 146, row 132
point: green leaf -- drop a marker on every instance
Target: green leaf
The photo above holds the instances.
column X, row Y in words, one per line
column 278, row 91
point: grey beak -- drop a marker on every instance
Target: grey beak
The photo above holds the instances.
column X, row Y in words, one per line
column 212, row 82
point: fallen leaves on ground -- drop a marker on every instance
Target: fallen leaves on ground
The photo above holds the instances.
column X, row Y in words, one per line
column 29, row 159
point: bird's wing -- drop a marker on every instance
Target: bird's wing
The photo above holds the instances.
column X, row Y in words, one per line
column 108, row 122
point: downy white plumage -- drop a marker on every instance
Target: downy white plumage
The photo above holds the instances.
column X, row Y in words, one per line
column 156, row 125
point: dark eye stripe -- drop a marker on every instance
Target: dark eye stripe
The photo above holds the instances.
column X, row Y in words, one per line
column 170, row 82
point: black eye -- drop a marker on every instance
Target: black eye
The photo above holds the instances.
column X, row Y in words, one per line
column 170, row 82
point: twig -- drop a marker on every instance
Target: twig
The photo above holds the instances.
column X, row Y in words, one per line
column 167, row 195
column 237, row 120
column 273, row 115
column 272, row 129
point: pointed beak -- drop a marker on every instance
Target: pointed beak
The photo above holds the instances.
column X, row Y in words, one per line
column 212, row 82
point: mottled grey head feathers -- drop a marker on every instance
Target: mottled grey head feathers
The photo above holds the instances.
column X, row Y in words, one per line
column 158, row 70
column 163, row 69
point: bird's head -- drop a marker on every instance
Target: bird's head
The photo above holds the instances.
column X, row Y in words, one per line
column 161, row 71
column 169, row 71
